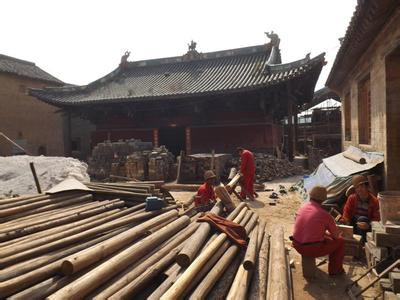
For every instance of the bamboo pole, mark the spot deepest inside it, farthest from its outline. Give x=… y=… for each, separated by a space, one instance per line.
x=15 y=200
x=189 y=251
x=277 y=274
x=163 y=287
x=95 y=278
x=4 y=205
x=88 y=257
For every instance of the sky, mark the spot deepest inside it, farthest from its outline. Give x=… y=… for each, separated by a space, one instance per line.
x=81 y=41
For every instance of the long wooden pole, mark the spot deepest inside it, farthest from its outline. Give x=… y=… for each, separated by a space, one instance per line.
x=278 y=285
x=250 y=256
x=93 y=279
x=88 y=257
x=179 y=287
x=189 y=251
x=67 y=239
x=44 y=270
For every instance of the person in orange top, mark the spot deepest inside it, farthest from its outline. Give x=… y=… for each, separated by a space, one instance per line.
x=247 y=169
x=361 y=207
x=205 y=194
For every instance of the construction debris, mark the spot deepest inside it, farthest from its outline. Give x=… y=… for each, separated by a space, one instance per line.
x=72 y=245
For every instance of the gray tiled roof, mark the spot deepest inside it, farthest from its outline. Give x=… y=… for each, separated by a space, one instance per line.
x=175 y=77
x=24 y=68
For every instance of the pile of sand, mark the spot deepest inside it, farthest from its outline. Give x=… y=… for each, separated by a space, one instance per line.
x=16 y=176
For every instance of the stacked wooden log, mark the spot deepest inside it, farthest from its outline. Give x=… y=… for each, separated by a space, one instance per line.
x=269 y=167
x=102 y=249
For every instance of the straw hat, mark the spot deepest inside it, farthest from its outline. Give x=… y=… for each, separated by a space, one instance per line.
x=359 y=179
x=318 y=193
x=209 y=174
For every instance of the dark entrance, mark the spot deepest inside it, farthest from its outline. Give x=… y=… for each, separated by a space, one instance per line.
x=173 y=138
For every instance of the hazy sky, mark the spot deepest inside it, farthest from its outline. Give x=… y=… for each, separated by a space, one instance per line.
x=81 y=41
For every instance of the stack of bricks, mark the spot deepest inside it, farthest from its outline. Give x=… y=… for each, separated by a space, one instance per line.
x=352 y=245
x=384 y=242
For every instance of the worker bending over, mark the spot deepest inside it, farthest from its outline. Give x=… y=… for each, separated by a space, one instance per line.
x=205 y=197
x=361 y=208
x=247 y=170
x=316 y=234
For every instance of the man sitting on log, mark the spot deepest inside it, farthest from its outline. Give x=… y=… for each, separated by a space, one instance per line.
x=247 y=170
x=361 y=208
x=205 y=197
x=316 y=234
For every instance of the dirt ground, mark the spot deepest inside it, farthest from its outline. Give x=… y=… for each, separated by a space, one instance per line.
x=323 y=287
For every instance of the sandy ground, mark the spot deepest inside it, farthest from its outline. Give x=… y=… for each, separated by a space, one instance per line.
x=323 y=287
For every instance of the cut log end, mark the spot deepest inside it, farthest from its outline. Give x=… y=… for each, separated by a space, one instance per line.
x=248 y=265
x=183 y=260
x=67 y=268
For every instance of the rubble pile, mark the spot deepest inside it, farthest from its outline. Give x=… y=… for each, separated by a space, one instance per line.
x=269 y=167
x=131 y=158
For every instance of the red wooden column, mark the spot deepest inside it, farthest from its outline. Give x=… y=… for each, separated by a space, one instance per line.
x=155 y=137
x=188 y=140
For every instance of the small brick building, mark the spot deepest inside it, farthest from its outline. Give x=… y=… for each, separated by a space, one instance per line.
x=366 y=75
x=33 y=124
x=196 y=102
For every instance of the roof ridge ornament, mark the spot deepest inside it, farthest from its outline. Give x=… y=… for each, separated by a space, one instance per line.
x=192 y=53
x=275 y=40
x=124 y=60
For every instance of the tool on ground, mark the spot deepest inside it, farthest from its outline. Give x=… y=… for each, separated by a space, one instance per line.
x=381 y=275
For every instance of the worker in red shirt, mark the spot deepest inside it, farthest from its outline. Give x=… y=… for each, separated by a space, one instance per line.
x=205 y=197
x=316 y=234
x=247 y=170
x=361 y=208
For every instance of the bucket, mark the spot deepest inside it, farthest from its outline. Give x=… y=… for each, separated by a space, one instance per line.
x=389 y=206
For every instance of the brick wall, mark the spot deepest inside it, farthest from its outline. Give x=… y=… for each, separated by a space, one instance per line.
x=373 y=63
x=28 y=120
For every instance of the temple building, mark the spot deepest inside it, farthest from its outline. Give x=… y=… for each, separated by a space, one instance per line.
x=195 y=102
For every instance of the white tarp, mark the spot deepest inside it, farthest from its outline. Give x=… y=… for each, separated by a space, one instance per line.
x=335 y=172
x=69 y=184
x=16 y=176
x=341 y=166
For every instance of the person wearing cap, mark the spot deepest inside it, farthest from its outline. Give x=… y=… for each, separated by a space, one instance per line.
x=205 y=194
x=361 y=207
x=247 y=170
x=316 y=234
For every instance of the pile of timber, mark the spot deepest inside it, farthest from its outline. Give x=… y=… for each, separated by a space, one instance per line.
x=383 y=243
x=269 y=167
x=131 y=193
x=69 y=246
x=157 y=164
x=107 y=153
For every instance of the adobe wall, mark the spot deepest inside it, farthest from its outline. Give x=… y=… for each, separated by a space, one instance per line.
x=23 y=117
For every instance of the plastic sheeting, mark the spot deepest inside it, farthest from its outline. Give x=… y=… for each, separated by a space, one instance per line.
x=335 y=173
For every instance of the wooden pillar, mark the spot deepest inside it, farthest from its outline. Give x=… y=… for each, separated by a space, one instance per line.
x=295 y=127
x=188 y=140
x=290 y=130
x=156 y=138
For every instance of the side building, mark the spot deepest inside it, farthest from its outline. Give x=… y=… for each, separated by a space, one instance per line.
x=34 y=125
x=196 y=102
x=366 y=75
